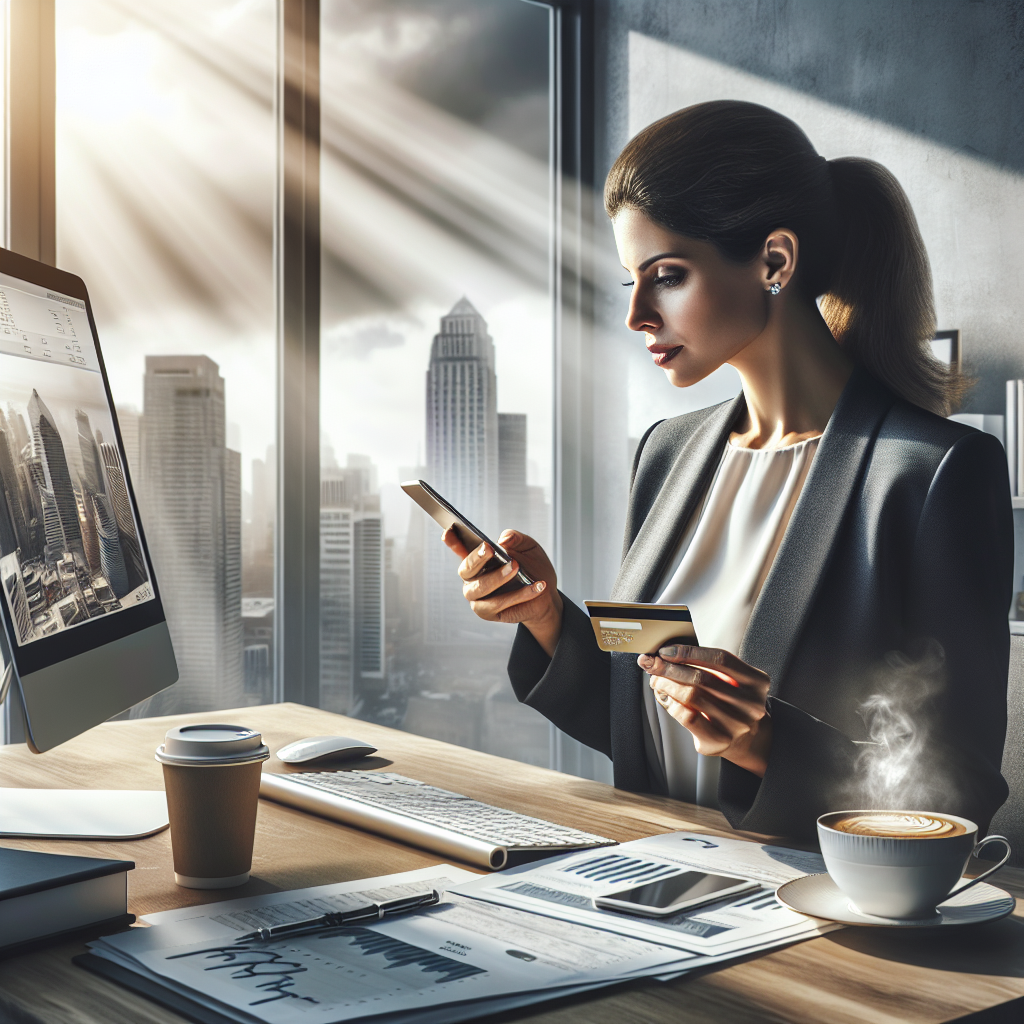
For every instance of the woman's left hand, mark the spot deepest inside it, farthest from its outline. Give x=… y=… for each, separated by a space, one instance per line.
x=718 y=698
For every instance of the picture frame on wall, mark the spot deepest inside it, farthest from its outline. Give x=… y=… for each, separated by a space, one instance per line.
x=945 y=346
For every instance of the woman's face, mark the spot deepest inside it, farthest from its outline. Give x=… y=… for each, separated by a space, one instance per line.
x=696 y=309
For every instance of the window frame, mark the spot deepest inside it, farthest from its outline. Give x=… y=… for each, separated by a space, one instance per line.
x=30 y=228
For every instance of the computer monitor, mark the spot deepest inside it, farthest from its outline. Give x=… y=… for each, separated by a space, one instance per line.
x=85 y=632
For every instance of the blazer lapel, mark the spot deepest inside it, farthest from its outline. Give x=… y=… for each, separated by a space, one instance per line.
x=684 y=486
x=792 y=583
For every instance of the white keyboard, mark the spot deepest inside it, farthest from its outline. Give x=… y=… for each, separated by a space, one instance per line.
x=413 y=812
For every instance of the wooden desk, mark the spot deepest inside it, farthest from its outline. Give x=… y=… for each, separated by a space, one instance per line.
x=855 y=975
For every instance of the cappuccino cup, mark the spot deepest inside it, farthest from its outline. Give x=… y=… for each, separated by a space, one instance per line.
x=900 y=864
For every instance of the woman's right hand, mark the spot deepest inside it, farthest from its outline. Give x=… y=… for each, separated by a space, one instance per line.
x=538 y=607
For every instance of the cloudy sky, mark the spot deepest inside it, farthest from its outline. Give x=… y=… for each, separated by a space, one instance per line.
x=434 y=186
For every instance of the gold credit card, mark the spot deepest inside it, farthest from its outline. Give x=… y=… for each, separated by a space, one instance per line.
x=640 y=628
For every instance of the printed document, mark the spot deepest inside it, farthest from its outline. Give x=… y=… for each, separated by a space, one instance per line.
x=566 y=886
x=459 y=951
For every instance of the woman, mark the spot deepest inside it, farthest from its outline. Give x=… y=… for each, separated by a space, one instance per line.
x=845 y=550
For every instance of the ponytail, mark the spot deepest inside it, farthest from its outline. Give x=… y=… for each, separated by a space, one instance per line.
x=878 y=303
x=730 y=173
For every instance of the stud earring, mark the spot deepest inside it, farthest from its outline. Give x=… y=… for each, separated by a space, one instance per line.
x=775 y=288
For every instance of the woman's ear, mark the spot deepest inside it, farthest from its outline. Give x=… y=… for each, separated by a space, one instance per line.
x=779 y=259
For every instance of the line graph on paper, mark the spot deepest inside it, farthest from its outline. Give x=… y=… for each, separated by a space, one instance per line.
x=337 y=967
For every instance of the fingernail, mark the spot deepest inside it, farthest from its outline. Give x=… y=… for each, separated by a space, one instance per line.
x=540 y=586
x=645 y=660
x=482 y=550
x=669 y=652
x=506 y=569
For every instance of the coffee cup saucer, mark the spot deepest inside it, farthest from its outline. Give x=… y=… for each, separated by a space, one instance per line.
x=818 y=896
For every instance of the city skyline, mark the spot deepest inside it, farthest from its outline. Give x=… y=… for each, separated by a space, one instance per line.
x=65 y=556
x=381 y=585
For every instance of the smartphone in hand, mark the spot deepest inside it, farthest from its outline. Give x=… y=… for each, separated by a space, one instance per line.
x=446 y=515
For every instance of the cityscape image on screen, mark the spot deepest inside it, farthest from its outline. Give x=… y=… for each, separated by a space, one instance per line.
x=69 y=543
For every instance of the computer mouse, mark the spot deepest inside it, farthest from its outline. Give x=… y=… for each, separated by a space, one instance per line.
x=324 y=748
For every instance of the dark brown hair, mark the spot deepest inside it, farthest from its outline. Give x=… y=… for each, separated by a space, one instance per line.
x=730 y=173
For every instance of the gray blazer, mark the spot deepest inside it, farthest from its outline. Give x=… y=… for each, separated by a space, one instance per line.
x=893 y=578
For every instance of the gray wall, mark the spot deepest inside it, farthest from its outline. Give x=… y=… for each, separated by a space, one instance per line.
x=931 y=88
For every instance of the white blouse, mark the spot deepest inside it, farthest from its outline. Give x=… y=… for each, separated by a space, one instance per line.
x=719 y=567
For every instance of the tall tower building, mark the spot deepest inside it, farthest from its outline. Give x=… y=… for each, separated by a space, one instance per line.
x=337 y=621
x=109 y=542
x=513 y=503
x=14 y=586
x=368 y=592
x=130 y=423
x=192 y=508
x=352 y=620
x=14 y=488
x=462 y=453
x=117 y=493
x=92 y=472
x=258 y=547
x=17 y=422
x=8 y=538
x=62 y=525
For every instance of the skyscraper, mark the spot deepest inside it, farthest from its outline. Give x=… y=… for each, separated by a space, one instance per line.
x=258 y=550
x=513 y=503
x=368 y=592
x=192 y=509
x=108 y=538
x=63 y=532
x=337 y=622
x=14 y=489
x=117 y=492
x=14 y=585
x=17 y=422
x=92 y=473
x=129 y=421
x=352 y=621
x=462 y=453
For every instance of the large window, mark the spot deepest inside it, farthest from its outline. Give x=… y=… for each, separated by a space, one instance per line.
x=423 y=154
x=165 y=196
x=436 y=353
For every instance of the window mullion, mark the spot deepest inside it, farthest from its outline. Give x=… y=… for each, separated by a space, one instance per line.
x=297 y=273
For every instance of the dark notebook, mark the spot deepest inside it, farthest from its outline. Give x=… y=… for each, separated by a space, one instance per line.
x=43 y=895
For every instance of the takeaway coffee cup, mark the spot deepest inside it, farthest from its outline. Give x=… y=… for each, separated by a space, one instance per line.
x=900 y=864
x=212 y=780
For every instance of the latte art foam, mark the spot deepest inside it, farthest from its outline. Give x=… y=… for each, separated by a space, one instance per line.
x=899 y=825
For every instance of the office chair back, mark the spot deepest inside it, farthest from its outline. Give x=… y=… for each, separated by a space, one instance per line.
x=1009 y=819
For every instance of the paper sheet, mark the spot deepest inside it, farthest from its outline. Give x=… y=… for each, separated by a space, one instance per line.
x=567 y=885
x=460 y=951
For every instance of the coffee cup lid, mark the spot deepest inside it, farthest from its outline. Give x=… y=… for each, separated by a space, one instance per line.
x=212 y=744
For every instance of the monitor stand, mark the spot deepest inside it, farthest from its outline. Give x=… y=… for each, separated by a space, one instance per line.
x=78 y=813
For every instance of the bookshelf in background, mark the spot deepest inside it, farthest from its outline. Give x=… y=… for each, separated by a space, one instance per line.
x=1013 y=439
x=1009 y=428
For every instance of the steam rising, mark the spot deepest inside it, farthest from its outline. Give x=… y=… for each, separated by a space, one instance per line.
x=899 y=767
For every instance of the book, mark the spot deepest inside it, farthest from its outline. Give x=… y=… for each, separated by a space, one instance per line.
x=43 y=895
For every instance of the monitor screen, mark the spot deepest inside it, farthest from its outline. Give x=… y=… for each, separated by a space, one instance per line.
x=70 y=543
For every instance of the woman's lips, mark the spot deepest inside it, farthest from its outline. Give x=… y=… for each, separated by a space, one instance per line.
x=662 y=356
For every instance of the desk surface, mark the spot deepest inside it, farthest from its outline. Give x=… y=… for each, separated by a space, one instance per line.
x=855 y=975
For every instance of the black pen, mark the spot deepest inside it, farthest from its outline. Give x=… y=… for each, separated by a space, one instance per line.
x=372 y=911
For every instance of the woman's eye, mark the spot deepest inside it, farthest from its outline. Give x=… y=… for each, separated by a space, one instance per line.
x=668 y=280
x=627 y=284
